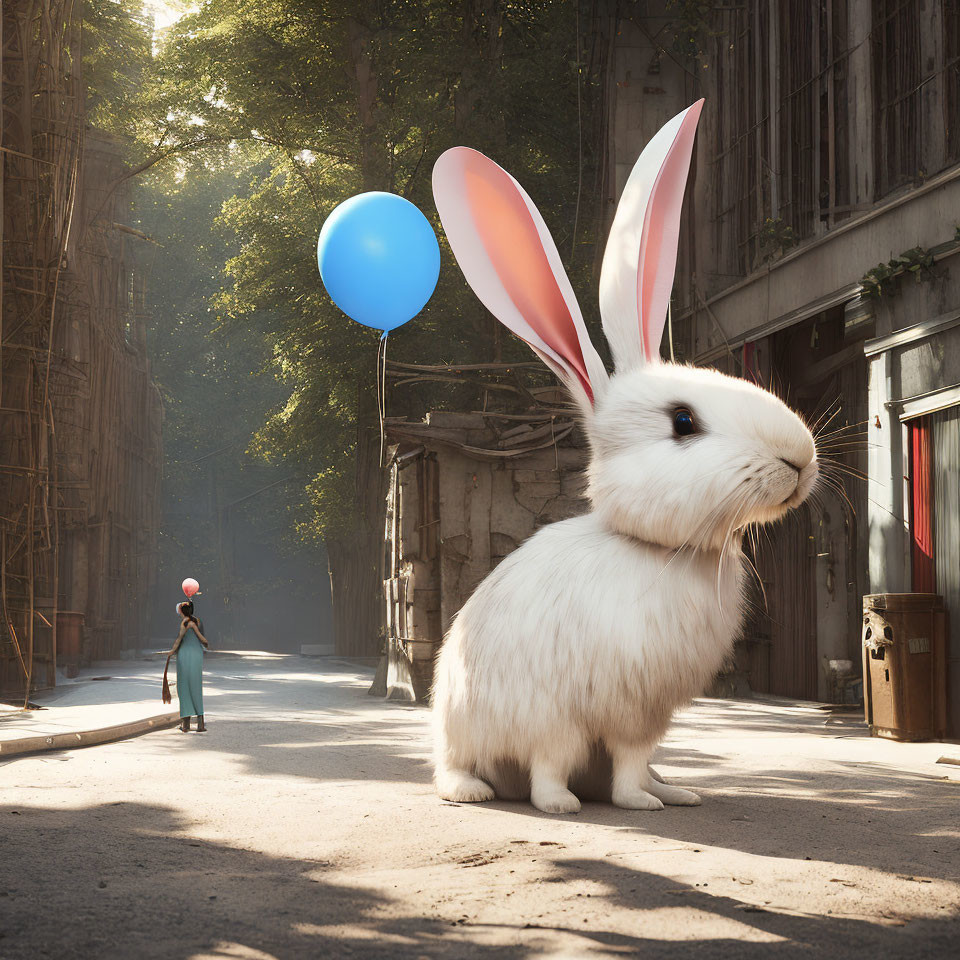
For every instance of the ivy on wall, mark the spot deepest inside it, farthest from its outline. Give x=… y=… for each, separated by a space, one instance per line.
x=776 y=237
x=881 y=280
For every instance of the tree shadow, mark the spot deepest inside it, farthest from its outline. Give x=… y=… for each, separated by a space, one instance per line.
x=124 y=880
x=747 y=715
x=892 y=821
x=168 y=895
x=831 y=811
x=797 y=932
x=335 y=749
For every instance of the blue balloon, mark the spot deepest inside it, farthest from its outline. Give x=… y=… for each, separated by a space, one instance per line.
x=379 y=259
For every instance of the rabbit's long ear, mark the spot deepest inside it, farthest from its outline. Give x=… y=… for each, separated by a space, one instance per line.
x=641 y=254
x=510 y=260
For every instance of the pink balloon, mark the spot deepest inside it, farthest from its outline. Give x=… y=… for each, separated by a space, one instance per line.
x=190 y=586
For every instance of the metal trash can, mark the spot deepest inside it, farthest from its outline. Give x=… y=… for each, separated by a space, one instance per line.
x=904 y=665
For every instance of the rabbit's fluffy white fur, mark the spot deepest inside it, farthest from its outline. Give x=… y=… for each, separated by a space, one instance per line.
x=579 y=637
x=598 y=628
x=588 y=637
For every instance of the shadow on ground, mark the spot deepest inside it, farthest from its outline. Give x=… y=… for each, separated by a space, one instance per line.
x=864 y=813
x=893 y=822
x=126 y=880
x=122 y=880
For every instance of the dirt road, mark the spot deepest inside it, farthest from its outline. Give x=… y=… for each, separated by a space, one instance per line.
x=303 y=824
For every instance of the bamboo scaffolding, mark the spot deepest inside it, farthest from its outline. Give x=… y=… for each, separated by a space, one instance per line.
x=79 y=416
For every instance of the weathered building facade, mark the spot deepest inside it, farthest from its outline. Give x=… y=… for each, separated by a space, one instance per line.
x=819 y=257
x=465 y=489
x=79 y=415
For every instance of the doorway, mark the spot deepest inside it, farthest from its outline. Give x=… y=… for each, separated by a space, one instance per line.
x=933 y=442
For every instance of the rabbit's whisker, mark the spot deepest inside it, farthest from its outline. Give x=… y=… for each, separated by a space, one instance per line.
x=833 y=460
x=730 y=540
x=832 y=466
x=826 y=423
x=687 y=547
x=756 y=573
x=818 y=425
x=850 y=438
x=860 y=426
x=838 y=430
x=690 y=549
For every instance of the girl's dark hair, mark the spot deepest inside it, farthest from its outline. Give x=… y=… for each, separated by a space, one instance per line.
x=186 y=608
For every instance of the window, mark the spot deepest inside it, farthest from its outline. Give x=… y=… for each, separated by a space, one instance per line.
x=896 y=78
x=951 y=77
x=916 y=76
x=741 y=162
x=781 y=164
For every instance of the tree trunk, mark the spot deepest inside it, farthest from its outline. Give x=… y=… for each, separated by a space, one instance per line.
x=374 y=165
x=356 y=594
x=356 y=576
x=355 y=560
x=482 y=38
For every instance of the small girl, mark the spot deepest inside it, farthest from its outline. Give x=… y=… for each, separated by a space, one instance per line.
x=190 y=667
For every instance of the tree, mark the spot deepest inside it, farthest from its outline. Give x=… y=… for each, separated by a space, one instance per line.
x=116 y=44
x=331 y=98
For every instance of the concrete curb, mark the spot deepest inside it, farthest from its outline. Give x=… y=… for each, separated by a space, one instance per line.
x=88 y=738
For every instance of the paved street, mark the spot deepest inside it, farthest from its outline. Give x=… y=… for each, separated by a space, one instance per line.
x=303 y=824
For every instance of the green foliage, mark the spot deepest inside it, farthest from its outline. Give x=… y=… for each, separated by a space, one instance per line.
x=775 y=237
x=317 y=100
x=116 y=51
x=881 y=279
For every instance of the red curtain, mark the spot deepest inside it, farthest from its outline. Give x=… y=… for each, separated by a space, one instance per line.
x=921 y=505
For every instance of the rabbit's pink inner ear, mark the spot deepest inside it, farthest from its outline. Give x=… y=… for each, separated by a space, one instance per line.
x=661 y=236
x=650 y=333
x=513 y=244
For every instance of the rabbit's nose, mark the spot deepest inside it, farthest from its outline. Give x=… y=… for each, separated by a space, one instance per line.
x=789 y=463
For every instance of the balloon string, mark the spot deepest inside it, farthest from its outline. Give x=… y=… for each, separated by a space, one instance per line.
x=379 y=406
x=382 y=388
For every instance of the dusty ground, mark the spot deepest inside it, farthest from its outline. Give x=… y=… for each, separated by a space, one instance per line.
x=304 y=825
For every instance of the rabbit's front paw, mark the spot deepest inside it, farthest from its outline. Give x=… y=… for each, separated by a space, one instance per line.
x=555 y=800
x=675 y=796
x=636 y=800
x=459 y=786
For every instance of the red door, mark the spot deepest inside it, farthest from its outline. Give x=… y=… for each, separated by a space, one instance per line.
x=921 y=506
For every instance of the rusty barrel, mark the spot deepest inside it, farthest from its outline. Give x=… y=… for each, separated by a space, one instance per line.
x=904 y=665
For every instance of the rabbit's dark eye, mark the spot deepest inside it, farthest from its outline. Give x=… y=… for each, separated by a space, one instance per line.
x=683 y=422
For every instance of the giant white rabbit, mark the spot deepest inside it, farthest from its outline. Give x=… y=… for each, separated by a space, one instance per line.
x=588 y=637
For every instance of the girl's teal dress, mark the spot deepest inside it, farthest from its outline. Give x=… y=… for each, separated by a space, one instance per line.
x=190 y=675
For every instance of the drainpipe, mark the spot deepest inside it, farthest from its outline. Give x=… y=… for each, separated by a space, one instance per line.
x=885 y=472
